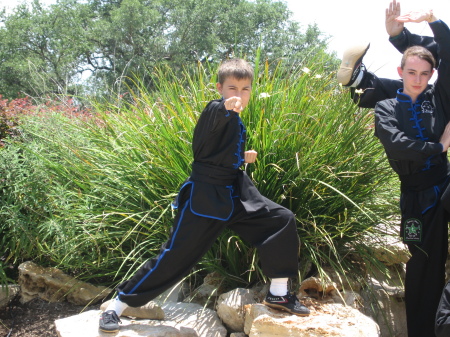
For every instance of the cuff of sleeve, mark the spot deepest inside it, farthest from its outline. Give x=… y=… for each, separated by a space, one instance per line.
x=393 y=38
x=442 y=147
x=430 y=23
x=396 y=37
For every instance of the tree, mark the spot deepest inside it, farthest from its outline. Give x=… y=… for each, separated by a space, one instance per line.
x=41 y=48
x=47 y=50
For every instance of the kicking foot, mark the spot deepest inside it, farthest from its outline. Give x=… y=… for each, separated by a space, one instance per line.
x=287 y=303
x=109 y=321
x=351 y=64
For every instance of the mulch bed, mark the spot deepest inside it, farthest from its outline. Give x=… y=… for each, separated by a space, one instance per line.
x=36 y=318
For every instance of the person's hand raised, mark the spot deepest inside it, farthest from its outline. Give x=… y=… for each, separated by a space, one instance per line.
x=393 y=27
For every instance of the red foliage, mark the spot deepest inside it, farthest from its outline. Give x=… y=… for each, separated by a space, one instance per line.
x=12 y=111
x=9 y=115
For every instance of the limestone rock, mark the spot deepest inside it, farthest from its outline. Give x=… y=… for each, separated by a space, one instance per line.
x=52 y=285
x=316 y=288
x=203 y=320
x=86 y=325
x=388 y=247
x=342 y=282
x=7 y=293
x=230 y=308
x=207 y=293
x=386 y=305
x=175 y=294
x=149 y=311
x=330 y=320
x=181 y=319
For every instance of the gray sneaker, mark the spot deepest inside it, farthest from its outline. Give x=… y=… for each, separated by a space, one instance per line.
x=288 y=303
x=109 y=321
x=351 y=64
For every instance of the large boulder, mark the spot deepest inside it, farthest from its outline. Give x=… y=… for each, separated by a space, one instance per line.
x=231 y=308
x=181 y=320
x=52 y=285
x=86 y=325
x=327 y=319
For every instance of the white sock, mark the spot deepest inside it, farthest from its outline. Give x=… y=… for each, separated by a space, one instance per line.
x=278 y=286
x=359 y=78
x=117 y=305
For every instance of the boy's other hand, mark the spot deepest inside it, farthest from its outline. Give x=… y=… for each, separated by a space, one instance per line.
x=417 y=16
x=234 y=103
x=393 y=27
x=250 y=156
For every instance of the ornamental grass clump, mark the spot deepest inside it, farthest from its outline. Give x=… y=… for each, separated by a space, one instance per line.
x=110 y=183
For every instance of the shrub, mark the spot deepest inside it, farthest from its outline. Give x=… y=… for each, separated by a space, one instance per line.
x=109 y=184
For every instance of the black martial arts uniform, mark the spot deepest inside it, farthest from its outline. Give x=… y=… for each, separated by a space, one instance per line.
x=410 y=133
x=217 y=195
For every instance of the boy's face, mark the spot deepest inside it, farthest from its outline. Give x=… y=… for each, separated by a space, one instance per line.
x=415 y=74
x=233 y=87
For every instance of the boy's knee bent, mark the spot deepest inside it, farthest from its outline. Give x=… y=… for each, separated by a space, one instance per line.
x=287 y=215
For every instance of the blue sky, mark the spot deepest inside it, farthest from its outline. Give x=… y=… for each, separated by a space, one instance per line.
x=348 y=21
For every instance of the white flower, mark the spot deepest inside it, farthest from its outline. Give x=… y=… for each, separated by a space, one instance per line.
x=306 y=70
x=359 y=91
x=318 y=76
x=264 y=95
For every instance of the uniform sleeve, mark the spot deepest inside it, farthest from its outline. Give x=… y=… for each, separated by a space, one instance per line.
x=406 y=39
x=214 y=116
x=442 y=88
x=396 y=143
x=442 y=328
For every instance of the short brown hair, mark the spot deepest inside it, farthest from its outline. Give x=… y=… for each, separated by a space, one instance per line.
x=420 y=52
x=237 y=68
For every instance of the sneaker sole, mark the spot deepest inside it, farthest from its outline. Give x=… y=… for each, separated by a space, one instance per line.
x=109 y=331
x=350 y=61
x=280 y=307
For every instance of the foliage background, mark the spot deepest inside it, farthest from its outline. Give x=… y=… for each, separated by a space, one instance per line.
x=94 y=46
x=90 y=191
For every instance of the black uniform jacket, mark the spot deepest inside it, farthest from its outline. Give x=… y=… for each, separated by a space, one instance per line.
x=410 y=132
x=218 y=146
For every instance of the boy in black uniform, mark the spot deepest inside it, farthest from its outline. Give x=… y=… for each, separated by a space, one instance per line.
x=219 y=195
x=415 y=132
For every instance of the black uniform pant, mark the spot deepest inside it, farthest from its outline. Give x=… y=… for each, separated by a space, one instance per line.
x=425 y=273
x=273 y=232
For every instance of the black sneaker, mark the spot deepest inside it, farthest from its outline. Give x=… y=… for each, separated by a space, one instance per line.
x=287 y=303
x=351 y=64
x=109 y=321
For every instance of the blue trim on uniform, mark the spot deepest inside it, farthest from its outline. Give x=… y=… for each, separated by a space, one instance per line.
x=164 y=252
x=437 y=192
x=415 y=118
x=210 y=216
x=415 y=112
x=175 y=202
x=240 y=160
